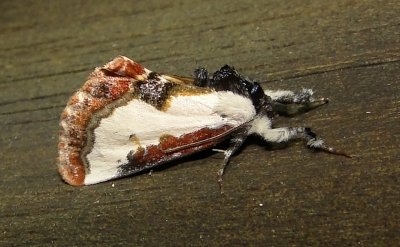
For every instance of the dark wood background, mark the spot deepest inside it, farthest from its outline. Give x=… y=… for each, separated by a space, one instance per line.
x=348 y=51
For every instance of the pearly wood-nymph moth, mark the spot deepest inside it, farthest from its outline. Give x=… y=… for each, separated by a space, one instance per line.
x=126 y=119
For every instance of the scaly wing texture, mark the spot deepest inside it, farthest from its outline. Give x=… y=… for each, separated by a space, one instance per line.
x=111 y=129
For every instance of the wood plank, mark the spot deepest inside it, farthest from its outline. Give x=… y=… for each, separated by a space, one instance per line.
x=345 y=50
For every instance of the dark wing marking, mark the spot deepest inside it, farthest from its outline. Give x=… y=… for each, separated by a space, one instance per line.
x=215 y=139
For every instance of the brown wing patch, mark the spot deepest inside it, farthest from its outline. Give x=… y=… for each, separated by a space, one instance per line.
x=153 y=155
x=124 y=66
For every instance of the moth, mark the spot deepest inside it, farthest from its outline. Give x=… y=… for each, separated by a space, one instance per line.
x=126 y=119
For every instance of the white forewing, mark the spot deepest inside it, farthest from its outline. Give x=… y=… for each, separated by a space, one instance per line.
x=235 y=107
x=185 y=114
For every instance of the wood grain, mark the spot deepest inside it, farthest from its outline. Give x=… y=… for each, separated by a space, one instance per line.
x=345 y=50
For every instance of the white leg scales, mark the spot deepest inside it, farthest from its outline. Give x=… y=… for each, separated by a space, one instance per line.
x=288 y=97
x=262 y=127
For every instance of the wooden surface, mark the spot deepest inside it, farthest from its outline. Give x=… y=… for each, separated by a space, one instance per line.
x=345 y=50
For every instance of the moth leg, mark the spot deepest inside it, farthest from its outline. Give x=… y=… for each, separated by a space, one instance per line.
x=261 y=126
x=303 y=96
x=235 y=143
x=289 y=103
x=290 y=110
